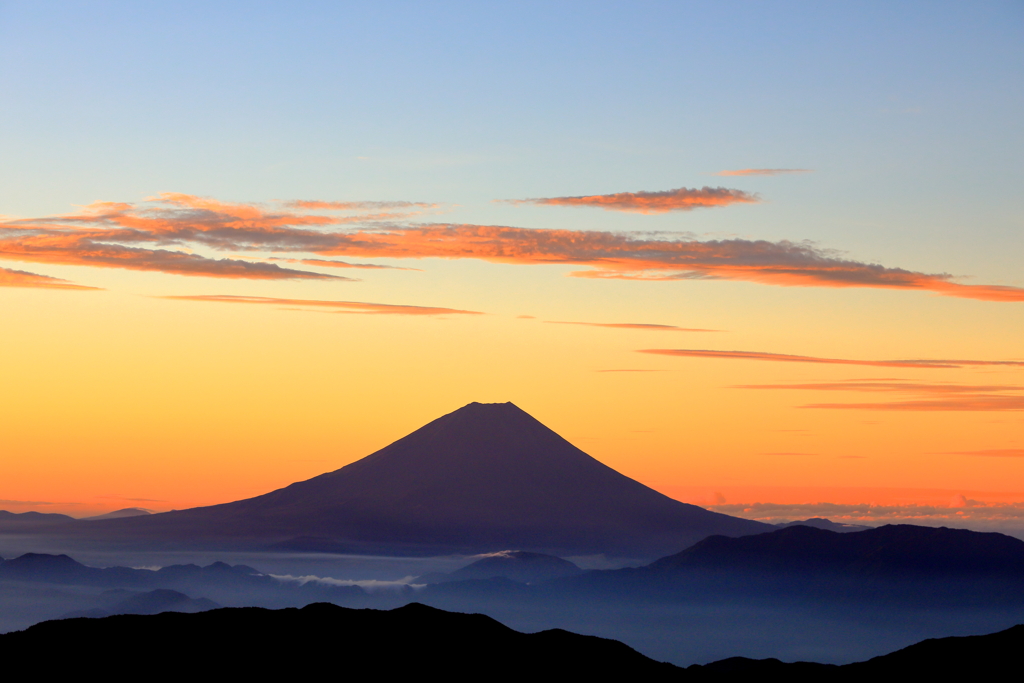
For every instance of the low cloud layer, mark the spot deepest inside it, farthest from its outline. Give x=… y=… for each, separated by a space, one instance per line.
x=339 y=306
x=960 y=512
x=681 y=199
x=20 y=278
x=919 y=396
x=763 y=171
x=786 y=358
x=633 y=326
x=179 y=234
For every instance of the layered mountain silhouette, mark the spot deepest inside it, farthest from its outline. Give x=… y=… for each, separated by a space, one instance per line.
x=481 y=479
x=420 y=641
x=905 y=565
x=150 y=602
x=31 y=521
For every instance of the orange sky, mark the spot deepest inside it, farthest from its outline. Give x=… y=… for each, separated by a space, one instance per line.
x=777 y=261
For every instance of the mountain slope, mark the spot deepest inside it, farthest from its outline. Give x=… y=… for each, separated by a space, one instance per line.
x=481 y=479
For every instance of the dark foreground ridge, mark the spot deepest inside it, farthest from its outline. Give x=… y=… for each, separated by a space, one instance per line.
x=416 y=640
x=481 y=479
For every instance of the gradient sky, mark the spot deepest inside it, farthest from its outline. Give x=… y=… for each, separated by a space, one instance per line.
x=789 y=236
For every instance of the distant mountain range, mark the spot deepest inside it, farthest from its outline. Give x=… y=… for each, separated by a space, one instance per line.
x=118 y=514
x=151 y=602
x=420 y=641
x=481 y=479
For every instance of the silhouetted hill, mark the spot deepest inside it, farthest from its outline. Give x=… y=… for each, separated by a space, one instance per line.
x=480 y=479
x=414 y=641
x=509 y=564
x=900 y=550
x=990 y=656
x=895 y=564
x=117 y=514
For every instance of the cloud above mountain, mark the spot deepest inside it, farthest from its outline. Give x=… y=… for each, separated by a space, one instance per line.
x=337 y=306
x=183 y=234
x=681 y=199
x=919 y=396
x=652 y=327
x=20 y=278
x=786 y=358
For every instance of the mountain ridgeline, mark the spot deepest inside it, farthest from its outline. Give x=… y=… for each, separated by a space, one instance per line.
x=481 y=479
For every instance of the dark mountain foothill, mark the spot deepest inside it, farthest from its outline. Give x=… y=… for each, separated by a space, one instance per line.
x=417 y=640
x=975 y=657
x=414 y=641
x=481 y=479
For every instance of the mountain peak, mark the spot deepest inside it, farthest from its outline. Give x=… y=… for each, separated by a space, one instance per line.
x=482 y=478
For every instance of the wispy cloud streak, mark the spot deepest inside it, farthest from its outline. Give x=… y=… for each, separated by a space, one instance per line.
x=339 y=306
x=786 y=358
x=20 y=278
x=923 y=396
x=681 y=199
x=633 y=326
x=991 y=453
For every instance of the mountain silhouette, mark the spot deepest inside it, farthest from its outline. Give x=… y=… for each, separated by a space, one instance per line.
x=957 y=657
x=481 y=479
x=894 y=565
x=21 y=522
x=117 y=514
x=413 y=641
x=903 y=550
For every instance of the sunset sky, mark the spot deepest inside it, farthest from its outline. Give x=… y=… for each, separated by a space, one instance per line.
x=742 y=252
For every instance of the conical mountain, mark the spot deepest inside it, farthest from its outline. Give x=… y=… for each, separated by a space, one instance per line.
x=486 y=477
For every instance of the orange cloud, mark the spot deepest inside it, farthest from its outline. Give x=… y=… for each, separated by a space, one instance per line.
x=921 y=388
x=19 y=278
x=786 y=358
x=763 y=171
x=619 y=256
x=634 y=326
x=682 y=199
x=164 y=234
x=344 y=264
x=968 y=403
x=340 y=306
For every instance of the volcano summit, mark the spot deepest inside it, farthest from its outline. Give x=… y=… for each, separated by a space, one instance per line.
x=486 y=477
